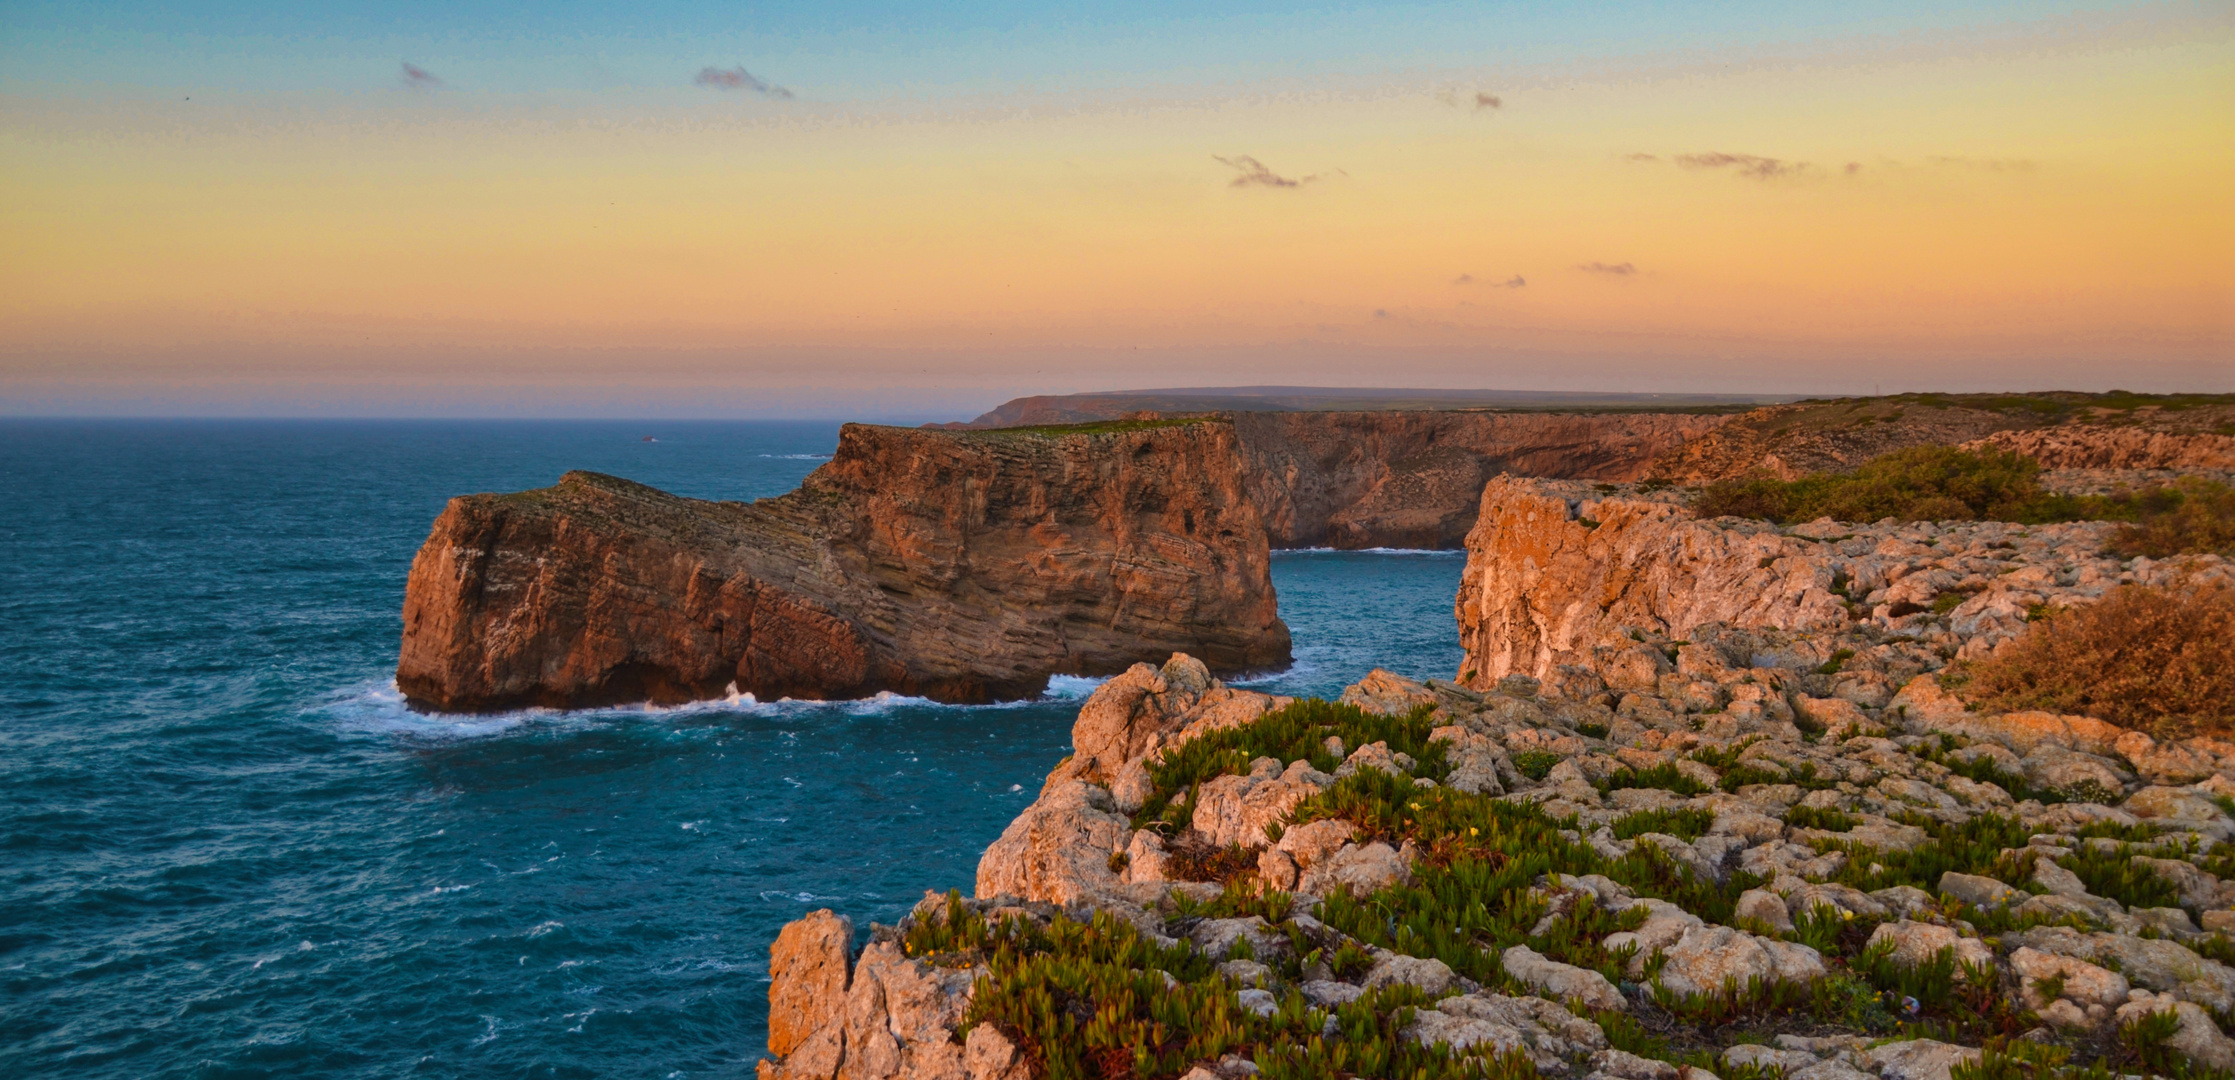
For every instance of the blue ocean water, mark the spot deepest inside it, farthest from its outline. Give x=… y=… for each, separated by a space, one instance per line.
x=230 y=852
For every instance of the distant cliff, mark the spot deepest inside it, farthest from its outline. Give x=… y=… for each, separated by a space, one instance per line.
x=964 y=567
x=1414 y=479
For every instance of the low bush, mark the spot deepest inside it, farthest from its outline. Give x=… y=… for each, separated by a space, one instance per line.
x=2191 y=515
x=1298 y=731
x=1922 y=483
x=2142 y=657
x=1684 y=824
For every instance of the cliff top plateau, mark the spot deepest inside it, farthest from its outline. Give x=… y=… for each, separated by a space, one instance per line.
x=1712 y=798
x=1112 y=404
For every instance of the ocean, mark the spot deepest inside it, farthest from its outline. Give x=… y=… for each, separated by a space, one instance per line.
x=231 y=852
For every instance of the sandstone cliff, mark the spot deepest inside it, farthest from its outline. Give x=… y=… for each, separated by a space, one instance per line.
x=2090 y=447
x=1413 y=479
x=1558 y=573
x=964 y=567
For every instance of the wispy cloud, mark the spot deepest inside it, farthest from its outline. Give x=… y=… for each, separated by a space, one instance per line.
x=1255 y=174
x=740 y=79
x=1753 y=166
x=1641 y=157
x=419 y=78
x=1617 y=269
x=1984 y=164
x=1476 y=100
x=1514 y=282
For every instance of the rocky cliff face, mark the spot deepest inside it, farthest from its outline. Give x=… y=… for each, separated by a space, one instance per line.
x=1559 y=574
x=963 y=567
x=1413 y=479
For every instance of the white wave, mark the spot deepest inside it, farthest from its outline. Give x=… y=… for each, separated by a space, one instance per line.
x=543 y=928
x=797 y=457
x=379 y=707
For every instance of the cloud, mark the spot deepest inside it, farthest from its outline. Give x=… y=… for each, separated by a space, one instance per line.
x=1616 y=269
x=1854 y=167
x=1752 y=166
x=418 y=77
x=1641 y=157
x=740 y=79
x=1984 y=164
x=1487 y=101
x=1255 y=174
x=1381 y=313
x=1514 y=282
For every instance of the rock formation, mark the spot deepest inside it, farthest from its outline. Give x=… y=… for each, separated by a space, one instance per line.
x=2116 y=448
x=963 y=567
x=1559 y=573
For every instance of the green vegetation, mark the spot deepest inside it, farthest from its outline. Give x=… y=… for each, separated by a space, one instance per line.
x=1535 y=764
x=1298 y=732
x=2149 y=658
x=1809 y=817
x=1942 y=483
x=1684 y=824
x=1665 y=776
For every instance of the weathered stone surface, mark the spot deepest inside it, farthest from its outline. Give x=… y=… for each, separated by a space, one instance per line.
x=1918 y=1059
x=1059 y=848
x=2084 y=983
x=1707 y=958
x=1977 y=890
x=962 y=567
x=1431 y=975
x=2198 y=1039
x=1916 y=944
x=1384 y=691
x=808 y=967
x=2163 y=966
x=1561 y=982
x=1236 y=809
x=1359 y=868
x=2094 y=447
x=1494 y=1023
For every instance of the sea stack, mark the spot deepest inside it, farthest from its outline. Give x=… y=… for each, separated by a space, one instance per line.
x=960 y=566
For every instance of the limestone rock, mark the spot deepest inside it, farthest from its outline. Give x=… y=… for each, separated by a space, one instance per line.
x=1916 y=944
x=1431 y=975
x=1707 y=958
x=1236 y=809
x=2198 y=1039
x=1918 y=1059
x=1495 y=1023
x=1978 y=891
x=1059 y=848
x=2084 y=983
x=809 y=967
x=1360 y=869
x=1383 y=691
x=1561 y=982
x=959 y=566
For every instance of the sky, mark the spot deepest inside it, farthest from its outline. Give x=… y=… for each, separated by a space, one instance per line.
x=682 y=208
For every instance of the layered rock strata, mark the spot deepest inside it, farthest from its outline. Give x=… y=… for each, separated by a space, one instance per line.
x=1560 y=573
x=963 y=567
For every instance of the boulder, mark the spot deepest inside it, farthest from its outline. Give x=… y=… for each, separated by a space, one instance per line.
x=1978 y=891
x=1918 y=1059
x=1059 y=848
x=2084 y=983
x=1709 y=958
x=1431 y=975
x=1916 y=944
x=1387 y=692
x=2198 y=1039
x=1360 y=869
x=809 y=968
x=1561 y=982
x=1480 y=1023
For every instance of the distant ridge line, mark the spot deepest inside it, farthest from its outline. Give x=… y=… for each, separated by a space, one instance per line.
x=1113 y=404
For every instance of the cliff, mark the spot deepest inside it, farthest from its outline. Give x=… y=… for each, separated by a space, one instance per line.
x=1559 y=574
x=1414 y=479
x=964 y=567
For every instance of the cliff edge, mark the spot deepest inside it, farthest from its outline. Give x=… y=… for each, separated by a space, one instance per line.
x=960 y=566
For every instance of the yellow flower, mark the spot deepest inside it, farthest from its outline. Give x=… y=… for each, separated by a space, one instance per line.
x=1472 y=831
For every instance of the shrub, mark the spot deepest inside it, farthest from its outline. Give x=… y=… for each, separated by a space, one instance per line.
x=2143 y=657
x=1664 y=776
x=2191 y=516
x=1921 y=483
x=1297 y=732
x=1534 y=764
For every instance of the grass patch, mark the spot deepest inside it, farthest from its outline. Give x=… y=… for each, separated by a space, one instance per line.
x=2142 y=657
x=1664 y=776
x=1685 y=825
x=2192 y=515
x=1535 y=764
x=1809 y=817
x=1969 y=848
x=1296 y=732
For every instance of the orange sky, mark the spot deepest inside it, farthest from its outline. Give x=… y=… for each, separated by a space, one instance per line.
x=2046 y=208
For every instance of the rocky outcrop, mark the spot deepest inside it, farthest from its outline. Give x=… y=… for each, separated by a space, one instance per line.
x=1563 y=575
x=963 y=567
x=2089 y=447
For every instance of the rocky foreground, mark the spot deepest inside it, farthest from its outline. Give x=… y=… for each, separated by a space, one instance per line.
x=1701 y=806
